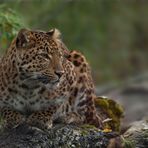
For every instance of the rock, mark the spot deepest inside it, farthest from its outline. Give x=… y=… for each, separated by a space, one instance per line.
x=137 y=135
x=63 y=136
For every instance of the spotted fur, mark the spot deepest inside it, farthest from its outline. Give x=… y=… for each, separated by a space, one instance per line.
x=41 y=82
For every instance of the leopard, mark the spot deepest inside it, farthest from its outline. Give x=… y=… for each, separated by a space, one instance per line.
x=42 y=82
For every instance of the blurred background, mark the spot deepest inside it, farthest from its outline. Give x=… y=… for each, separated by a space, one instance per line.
x=112 y=34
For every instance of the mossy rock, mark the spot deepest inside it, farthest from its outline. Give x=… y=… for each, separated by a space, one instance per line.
x=60 y=136
x=110 y=111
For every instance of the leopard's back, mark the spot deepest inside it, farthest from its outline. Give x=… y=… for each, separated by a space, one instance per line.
x=82 y=94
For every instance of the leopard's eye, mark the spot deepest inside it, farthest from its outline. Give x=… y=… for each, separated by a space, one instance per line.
x=44 y=56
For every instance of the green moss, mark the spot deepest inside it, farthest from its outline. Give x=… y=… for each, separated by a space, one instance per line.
x=110 y=109
x=128 y=143
x=103 y=103
x=86 y=128
x=115 y=107
x=84 y=133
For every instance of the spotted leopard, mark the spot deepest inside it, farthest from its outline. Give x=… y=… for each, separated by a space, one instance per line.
x=41 y=82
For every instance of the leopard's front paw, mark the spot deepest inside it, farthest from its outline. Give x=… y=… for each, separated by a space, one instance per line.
x=39 y=121
x=10 y=118
x=69 y=118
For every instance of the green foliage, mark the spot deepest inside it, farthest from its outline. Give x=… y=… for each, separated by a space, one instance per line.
x=10 y=23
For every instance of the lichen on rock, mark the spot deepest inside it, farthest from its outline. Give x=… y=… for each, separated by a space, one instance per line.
x=63 y=136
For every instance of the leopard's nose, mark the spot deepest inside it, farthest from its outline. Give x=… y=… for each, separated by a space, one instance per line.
x=59 y=73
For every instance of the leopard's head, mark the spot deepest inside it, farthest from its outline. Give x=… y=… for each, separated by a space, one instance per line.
x=39 y=56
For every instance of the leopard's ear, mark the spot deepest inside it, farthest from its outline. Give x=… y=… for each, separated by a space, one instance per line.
x=22 y=39
x=54 y=33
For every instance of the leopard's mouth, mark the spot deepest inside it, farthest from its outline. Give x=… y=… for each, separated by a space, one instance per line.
x=46 y=79
x=37 y=78
x=43 y=79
